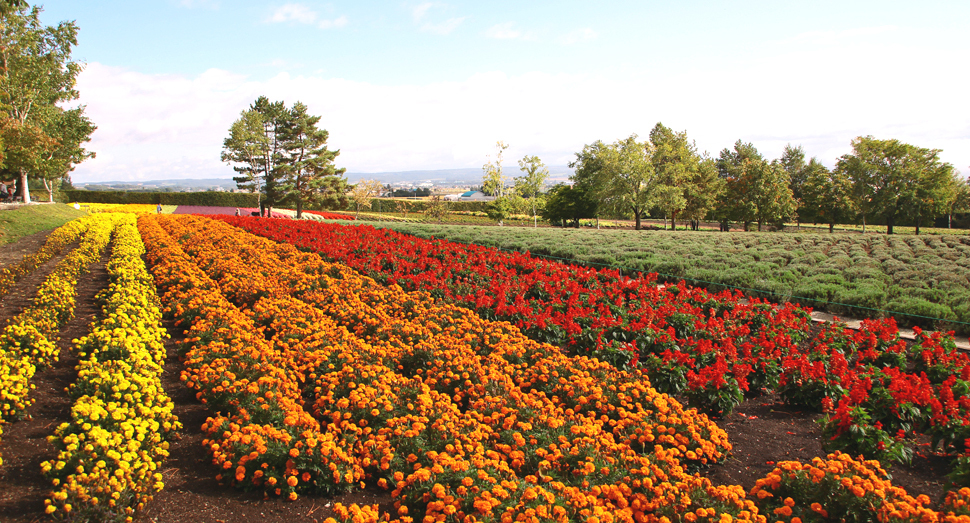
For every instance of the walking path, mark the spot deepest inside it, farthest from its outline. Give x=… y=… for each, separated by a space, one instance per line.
x=817 y=316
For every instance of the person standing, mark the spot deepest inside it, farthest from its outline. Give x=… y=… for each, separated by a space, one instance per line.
x=158 y=208
x=4 y=193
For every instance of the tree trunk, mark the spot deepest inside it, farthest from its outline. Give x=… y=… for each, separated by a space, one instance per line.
x=889 y=224
x=831 y=228
x=299 y=209
x=49 y=185
x=863 y=224
x=673 y=221
x=919 y=219
x=24 y=186
x=637 y=221
x=759 y=225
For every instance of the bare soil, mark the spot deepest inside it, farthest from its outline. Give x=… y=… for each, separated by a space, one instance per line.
x=763 y=430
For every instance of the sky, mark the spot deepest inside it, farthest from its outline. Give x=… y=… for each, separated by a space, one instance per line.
x=434 y=85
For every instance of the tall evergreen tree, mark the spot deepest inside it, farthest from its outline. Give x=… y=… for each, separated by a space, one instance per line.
x=309 y=175
x=256 y=144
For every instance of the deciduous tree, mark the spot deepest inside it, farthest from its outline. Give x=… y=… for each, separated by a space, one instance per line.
x=793 y=162
x=569 y=204
x=494 y=182
x=589 y=179
x=702 y=192
x=37 y=76
x=827 y=195
x=70 y=129
x=631 y=183
x=895 y=180
x=437 y=208
x=676 y=163
x=362 y=192
x=529 y=185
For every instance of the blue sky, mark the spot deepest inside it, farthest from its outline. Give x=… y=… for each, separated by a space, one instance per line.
x=433 y=85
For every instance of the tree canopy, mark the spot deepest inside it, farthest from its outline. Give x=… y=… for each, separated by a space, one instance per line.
x=282 y=156
x=895 y=180
x=41 y=138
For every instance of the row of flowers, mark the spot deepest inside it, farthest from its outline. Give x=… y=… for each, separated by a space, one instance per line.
x=109 y=452
x=458 y=415
x=330 y=215
x=29 y=340
x=712 y=348
x=55 y=243
x=258 y=401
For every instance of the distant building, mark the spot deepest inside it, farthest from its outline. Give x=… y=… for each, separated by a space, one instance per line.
x=451 y=197
x=475 y=196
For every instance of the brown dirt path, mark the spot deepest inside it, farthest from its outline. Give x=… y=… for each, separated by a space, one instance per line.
x=14 y=252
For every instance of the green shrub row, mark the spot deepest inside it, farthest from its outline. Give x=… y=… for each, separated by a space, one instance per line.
x=207 y=198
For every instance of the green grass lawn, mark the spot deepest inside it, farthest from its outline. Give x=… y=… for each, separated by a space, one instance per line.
x=26 y=220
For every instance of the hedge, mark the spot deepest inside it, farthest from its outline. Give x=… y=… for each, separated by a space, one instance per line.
x=208 y=198
x=236 y=199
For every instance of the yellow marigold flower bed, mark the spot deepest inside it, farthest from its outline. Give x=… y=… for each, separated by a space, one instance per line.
x=109 y=453
x=134 y=208
x=55 y=243
x=29 y=340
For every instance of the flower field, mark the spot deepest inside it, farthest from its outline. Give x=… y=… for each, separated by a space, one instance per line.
x=459 y=415
x=918 y=277
x=109 y=452
x=472 y=384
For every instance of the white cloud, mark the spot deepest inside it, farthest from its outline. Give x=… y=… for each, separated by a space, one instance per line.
x=421 y=10
x=330 y=24
x=506 y=31
x=293 y=13
x=580 y=35
x=302 y=14
x=420 y=14
x=172 y=126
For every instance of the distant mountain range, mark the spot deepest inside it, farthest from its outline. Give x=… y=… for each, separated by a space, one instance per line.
x=440 y=177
